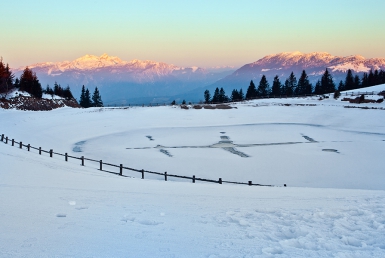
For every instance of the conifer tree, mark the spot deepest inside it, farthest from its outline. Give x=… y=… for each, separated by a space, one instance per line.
x=88 y=102
x=327 y=84
x=317 y=88
x=364 y=81
x=30 y=83
x=82 y=100
x=222 y=96
x=277 y=87
x=349 y=81
x=234 y=95
x=304 y=86
x=290 y=85
x=357 y=82
x=341 y=86
x=251 y=92
x=263 y=87
x=97 y=99
x=207 y=96
x=241 y=95
x=215 y=98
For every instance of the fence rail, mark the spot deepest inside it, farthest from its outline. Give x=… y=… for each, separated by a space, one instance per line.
x=6 y=140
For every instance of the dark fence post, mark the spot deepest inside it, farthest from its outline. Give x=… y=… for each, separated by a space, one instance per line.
x=21 y=145
x=82 y=160
x=39 y=150
x=13 y=142
x=6 y=140
x=193 y=179
x=250 y=182
x=2 y=137
x=165 y=176
x=142 y=173
x=100 y=165
x=51 y=153
x=220 y=181
x=28 y=146
x=66 y=156
x=121 y=169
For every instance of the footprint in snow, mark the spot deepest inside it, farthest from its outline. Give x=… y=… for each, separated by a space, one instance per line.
x=61 y=215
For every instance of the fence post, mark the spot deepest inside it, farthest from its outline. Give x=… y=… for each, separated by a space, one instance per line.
x=121 y=169
x=250 y=182
x=66 y=156
x=82 y=160
x=193 y=179
x=13 y=142
x=220 y=181
x=100 y=165
x=6 y=140
x=165 y=176
x=21 y=145
x=51 y=152
x=28 y=146
x=2 y=137
x=142 y=173
x=39 y=150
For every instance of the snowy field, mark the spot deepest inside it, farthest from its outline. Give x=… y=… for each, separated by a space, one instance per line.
x=330 y=157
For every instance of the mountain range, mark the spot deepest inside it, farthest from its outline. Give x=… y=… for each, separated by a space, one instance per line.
x=136 y=81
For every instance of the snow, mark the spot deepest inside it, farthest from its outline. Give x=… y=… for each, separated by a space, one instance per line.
x=333 y=205
x=15 y=93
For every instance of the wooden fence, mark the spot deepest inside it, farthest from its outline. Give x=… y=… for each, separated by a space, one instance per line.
x=120 y=167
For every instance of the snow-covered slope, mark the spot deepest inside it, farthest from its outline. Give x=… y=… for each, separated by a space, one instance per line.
x=53 y=208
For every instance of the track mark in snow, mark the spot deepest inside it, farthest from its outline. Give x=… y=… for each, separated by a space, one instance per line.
x=165 y=152
x=330 y=150
x=149 y=137
x=78 y=146
x=61 y=215
x=308 y=138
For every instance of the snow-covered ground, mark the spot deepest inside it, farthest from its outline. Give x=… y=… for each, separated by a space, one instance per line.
x=329 y=156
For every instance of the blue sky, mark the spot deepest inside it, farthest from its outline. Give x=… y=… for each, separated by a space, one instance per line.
x=202 y=33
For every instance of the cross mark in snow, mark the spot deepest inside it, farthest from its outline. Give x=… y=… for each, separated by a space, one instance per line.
x=225 y=143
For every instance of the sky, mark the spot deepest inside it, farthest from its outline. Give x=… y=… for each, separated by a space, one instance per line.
x=188 y=33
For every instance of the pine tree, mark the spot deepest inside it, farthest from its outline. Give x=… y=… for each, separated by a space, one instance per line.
x=234 y=95
x=88 y=102
x=371 y=81
x=317 y=88
x=68 y=94
x=290 y=85
x=82 y=100
x=215 y=98
x=251 y=92
x=263 y=87
x=341 y=86
x=327 y=84
x=349 y=81
x=222 y=96
x=357 y=82
x=277 y=87
x=304 y=86
x=6 y=78
x=364 y=81
x=97 y=99
x=207 y=96
x=30 y=83
x=241 y=95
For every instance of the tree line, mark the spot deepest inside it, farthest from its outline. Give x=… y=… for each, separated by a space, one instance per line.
x=87 y=101
x=302 y=86
x=29 y=83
